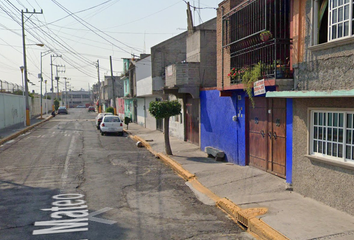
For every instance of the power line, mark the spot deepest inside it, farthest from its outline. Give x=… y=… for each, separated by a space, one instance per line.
x=84 y=23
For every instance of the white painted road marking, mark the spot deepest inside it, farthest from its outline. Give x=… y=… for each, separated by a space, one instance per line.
x=69 y=205
x=100 y=220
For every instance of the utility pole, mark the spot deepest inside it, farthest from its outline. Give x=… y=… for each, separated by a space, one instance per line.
x=46 y=100
x=66 y=92
x=41 y=77
x=28 y=120
x=57 y=77
x=99 y=87
x=51 y=77
x=114 y=100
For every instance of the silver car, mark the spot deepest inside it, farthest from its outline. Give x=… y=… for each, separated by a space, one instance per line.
x=111 y=124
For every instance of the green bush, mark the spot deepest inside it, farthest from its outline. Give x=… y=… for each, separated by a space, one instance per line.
x=56 y=104
x=110 y=109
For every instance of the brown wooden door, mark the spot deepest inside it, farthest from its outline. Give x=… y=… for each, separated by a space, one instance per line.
x=277 y=136
x=192 y=120
x=267 y=135
x=257 y=133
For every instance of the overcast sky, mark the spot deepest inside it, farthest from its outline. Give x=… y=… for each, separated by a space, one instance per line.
x=84 y=31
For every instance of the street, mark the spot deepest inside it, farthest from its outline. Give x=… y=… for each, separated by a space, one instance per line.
x=63 y=180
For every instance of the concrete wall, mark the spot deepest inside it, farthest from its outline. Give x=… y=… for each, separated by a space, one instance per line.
x=150 y=120
x=323 y=182
x=12 y=108
x=143 y=68
x=166 y=53
x=201 y=47
x=217 y=129
x=144 y=86
x=176 y=126
x=328 y=66
x=183 y=74
x=141 y=111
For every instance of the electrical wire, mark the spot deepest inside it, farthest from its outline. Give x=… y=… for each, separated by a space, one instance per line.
x=90 y=26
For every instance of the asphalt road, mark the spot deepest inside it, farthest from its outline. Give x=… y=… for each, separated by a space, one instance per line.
x=63 y=180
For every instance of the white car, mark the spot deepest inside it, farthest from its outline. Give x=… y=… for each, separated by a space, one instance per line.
x=99 y=118
x=111 y=124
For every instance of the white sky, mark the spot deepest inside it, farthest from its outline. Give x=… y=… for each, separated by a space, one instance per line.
x=119 y=28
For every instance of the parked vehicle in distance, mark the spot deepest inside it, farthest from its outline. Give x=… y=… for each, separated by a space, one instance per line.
x=91 y=109
x=99 y=119
x=111 y=124
x=62 y=109
x=80 y=106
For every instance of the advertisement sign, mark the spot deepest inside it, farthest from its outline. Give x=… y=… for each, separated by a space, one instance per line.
x=259 y=87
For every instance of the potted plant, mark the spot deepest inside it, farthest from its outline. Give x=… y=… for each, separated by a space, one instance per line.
x=281 y=68
x=265 y=35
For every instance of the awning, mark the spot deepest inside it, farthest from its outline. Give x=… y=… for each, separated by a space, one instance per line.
x=310 y=94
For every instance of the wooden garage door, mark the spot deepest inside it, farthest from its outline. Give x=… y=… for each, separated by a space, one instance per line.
x=267 y=135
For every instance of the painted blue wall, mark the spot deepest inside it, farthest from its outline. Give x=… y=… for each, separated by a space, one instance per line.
x=218 y=130
x=289 y=140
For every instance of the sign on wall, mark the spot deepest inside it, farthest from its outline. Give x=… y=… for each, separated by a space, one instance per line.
x=259 y=87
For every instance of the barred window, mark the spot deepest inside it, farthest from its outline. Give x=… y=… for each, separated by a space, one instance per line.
x=332 y=135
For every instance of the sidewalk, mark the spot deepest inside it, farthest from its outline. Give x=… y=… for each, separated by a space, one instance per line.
x=15 y=130
x=246 y=193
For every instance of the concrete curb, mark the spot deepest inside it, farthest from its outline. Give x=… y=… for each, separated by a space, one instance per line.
x=15 y=135
x=246 y=218
x=186 y=175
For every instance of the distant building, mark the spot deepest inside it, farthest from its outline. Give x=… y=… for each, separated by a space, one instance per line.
x=75 y=98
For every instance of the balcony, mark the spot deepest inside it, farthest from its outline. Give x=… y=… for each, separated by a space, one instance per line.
x=259 y=32
x=183 y=78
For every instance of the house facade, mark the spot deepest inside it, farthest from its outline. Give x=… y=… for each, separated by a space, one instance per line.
x=184 y=79
x=109 y=94
x=164 y=54
x=253 y=129
x=323 y=47
x=126 y=101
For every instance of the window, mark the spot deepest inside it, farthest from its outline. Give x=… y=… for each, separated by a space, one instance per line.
x=332 y=135
x=340 y=19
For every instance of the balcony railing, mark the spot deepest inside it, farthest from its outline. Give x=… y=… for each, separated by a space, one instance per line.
x=259 y=32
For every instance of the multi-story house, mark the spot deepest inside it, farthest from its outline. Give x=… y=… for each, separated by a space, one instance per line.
x=144 y=91
x=109 y=94
x=185 y=79
x=124 y=103
x=248 y=127
x=323 y=113
x=169 y=52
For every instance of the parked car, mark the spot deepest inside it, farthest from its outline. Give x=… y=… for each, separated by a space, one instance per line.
x=80 y=106
x=62 y=109
x=91 y=109
x=99 y=119
x=111 y=124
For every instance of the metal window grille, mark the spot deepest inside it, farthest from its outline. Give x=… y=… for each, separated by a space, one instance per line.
x=243 y=29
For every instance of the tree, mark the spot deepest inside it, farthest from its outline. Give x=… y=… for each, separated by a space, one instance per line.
x=56 y=104
x=165 y=109
x=110 y=109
